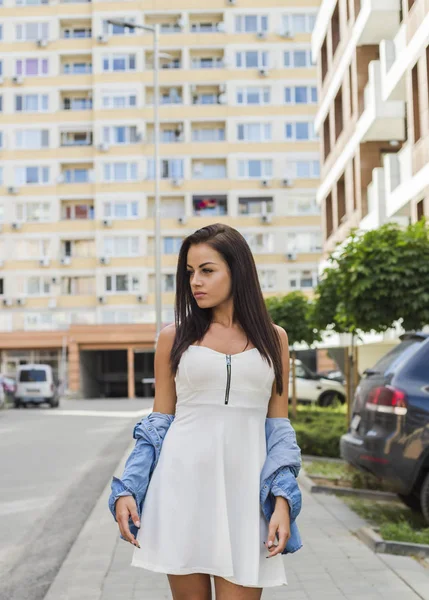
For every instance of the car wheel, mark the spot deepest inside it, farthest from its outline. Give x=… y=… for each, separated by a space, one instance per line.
x=424 y=497
x=327 y=399
x=17 y=404
x=411 y=500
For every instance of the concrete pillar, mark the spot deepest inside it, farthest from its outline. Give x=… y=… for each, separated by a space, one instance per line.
x=131 y=383
x=74 y=367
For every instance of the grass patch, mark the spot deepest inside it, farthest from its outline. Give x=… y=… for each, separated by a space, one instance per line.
x=318 y=430
x=344 y=475
x=395 y=521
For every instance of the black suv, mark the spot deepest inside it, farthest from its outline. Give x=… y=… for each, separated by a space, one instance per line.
x=389 y=428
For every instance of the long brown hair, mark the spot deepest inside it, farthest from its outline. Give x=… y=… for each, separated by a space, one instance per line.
x=192 y=322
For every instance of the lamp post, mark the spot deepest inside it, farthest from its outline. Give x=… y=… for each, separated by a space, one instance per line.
x=156 y=55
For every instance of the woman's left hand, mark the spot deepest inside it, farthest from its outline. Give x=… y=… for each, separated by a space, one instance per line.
x=279 y=522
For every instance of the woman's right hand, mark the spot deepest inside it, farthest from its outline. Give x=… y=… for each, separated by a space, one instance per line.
x=126 y=507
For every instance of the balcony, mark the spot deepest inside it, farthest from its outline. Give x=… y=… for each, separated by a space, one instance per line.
x=376 y=201
x=209 y=169
x=77 y=100
x=175 y=62
x=168 y=23
x=77 y=210
x=378 y=20
x=76 y=138
x=210 y=23
x=208 y=94
x=208 y=132
x=380 y=120
x=167 y=95
x=75 y=29
x=209 y=205
x=170 y=133
x=207 y=59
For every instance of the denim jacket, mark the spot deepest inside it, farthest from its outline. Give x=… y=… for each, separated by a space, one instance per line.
x=278 y=475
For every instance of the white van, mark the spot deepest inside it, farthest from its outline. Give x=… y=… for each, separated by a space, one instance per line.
x=35 y=385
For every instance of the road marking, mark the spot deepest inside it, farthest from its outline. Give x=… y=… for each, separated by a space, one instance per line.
x=101 y=413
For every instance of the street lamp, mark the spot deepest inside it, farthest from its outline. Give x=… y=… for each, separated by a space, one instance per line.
x=156 y=55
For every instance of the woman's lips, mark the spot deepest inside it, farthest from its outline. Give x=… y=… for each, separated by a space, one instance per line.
x=199 y=294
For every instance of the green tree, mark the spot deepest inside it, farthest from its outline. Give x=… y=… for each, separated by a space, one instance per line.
x=293 y=312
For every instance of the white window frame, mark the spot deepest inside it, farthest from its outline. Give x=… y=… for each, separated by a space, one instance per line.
x=263 y=59
x=21 y=31
x=42 y=100
x=44 y=285
x=110 y=58
x=289 y=58
x=267 y=239
x=43 y=175
x=263 y=92
x=292 y=90
x=109 y=209
x=267 y=279
x=217 y=134
x=265 y=133
x=109 y=29
x=108 y=99
x=130 y=175
x=298 y=275
x=293 y=126
x=133 y=283
x=40 y=62
x=24 y=141
x=241 y=26
x=314 y=171
x=244 y=171
x=111 y=243
x=131 y=135
x=288 y=25
x=23 y=208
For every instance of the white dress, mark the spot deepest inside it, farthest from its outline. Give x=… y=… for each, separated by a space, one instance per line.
x=202 y=511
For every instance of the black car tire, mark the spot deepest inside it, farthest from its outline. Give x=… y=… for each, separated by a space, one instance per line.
x=424 y=497
x=412 y=501
x=17 y=404
x=328 y=398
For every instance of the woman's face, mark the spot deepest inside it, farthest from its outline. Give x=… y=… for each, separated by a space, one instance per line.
x=208 y=274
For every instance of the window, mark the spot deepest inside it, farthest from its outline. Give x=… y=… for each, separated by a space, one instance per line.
x=301 y=95
x=76 y=138
x=110 y=29
x=31 y=103
x=121 y=246
x=119 y=62
x=30 y=32
x=78 y=211
x=1 y=32
x=38 y=286
x=119 y=100
x=299 y=130
x=203 y=134
x=302 y=279
x=254 y=95
x=307 y=169
x=31 y=249
x=77 y=68
x=1 y=140
x=120 y=171
x=168 y=282
x=170 y=168
x=260 y=242
x=204 y=99
x=1 y=103
x=172 y=245
x=1 y=181
x=121 y=283
x=31 y=175
x=33 y=211
x=172 y=96
x=77 y=33
x=254 y=168
x=302 y=206
x=207 y=62
x=78 y=286
x=299 y=23
x=255 y=206
x=254 y=132
x=251 y=59
x=297 y=59
x=121 y=134
x=120 y=210
x=30 y=2
x=267 y=279
x=77 y=103
x=208 y=170
x=32 y=139
x=302 y=241
x=251 y=23
x=77 y=175
x=31 y=66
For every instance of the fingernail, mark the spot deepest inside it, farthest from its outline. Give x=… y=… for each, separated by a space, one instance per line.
x=138 y=523
x=270 y=544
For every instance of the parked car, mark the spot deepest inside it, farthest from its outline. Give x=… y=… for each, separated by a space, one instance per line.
x=9 y=384
x=314 y=388
x=389 y=428
x=35 y=385
x=335 y=375
x=2 y=395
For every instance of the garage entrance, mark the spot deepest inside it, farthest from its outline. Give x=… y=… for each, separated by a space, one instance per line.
x=116 y=373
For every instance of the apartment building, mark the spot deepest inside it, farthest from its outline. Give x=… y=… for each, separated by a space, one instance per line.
x=237 y=102
x=373 y=114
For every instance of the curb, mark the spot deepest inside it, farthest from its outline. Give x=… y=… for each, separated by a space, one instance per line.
x=315 y=488
x=311 y=458
x=377 y=544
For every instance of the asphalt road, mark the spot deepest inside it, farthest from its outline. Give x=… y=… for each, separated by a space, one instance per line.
x=54 y=464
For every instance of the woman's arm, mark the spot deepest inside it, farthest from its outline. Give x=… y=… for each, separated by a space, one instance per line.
x=279 y=404
x=165 y=387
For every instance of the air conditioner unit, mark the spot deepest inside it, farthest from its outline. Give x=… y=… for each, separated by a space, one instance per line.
x=107 y=223
x=12 y=189
x=20 y=301
x=52 y=303
x=263 y=72
x=42 y=43
x=181 y=220
x=7 y=302
x=104 y=260
x=222 y=98
x=18 y=79
x=104 y=147
x=291 y=255
x=261 y=35
x=103 y=38
x=177 y=182
x=142 y=298
x=265 y=182
x=16 y=226
x=101 y=299
x=66 y=260
x=287 y=182
x=266 y=218
x=44 y=262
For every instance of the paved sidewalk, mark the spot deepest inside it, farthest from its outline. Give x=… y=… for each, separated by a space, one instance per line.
x=332 y=565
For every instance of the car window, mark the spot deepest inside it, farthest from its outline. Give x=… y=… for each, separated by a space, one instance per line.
x=417 y=368
x=32 y=375
x=390 y=360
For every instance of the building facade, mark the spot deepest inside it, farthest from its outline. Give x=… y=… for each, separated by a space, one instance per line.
x=237 y=102
x=373 y=114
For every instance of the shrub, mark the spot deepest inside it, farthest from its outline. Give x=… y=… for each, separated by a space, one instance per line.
x=318 y=430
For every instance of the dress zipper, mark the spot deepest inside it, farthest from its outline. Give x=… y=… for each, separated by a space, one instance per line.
x=228 y=381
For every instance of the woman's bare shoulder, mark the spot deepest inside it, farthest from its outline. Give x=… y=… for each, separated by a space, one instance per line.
x=166 y=336
x=282 y=332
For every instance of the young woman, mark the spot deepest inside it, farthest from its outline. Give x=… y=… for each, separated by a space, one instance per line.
x=221 y=370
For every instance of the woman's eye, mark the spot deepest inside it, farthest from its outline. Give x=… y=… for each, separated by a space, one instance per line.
x=208 y=270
